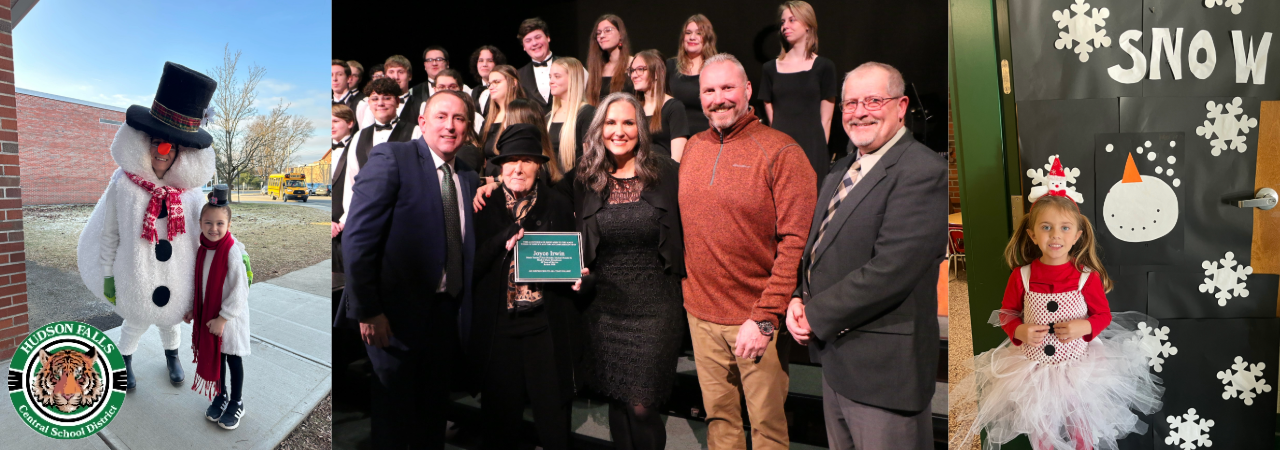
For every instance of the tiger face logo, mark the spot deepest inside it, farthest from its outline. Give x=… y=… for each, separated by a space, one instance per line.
x=67 y=380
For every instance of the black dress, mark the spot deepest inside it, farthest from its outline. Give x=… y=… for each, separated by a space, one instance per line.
x=685 y=88
x=585 y=114
x=604 y=87
x=634 y=322
x=797 y=106
x=674 y=125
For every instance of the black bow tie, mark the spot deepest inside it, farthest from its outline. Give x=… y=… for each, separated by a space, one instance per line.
x=337 y=145
x=542 y=64
x=379 y=127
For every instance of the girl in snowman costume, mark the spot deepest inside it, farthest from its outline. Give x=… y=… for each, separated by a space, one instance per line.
x=140 y=244
x=1072 y=374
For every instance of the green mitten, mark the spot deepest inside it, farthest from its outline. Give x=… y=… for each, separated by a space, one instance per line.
x=109 y=289
x=248 y=270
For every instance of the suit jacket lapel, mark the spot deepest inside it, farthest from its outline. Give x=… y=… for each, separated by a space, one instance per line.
x=859 y=192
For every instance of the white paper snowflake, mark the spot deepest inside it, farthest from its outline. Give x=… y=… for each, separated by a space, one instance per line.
x=1245 y=384
x=1230 y=131
x=1192 y=435
x=1056 y=180
x=1233 y=4
x=1229 y=279
x=1082 y=29
x=1151 y=343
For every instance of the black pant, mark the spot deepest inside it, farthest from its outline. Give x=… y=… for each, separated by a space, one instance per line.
x=522 y=369
x=235 y=365
x=411 y=391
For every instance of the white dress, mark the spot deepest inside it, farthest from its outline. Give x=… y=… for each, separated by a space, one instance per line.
x=235 y=300
x=1054 y=392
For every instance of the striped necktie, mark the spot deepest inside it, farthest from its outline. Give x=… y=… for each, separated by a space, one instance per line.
x=846 y=185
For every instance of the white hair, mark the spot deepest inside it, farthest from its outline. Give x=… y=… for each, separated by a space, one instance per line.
x=896 y=85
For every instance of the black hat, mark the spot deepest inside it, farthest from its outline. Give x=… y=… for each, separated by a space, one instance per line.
x=220 y=195
x=521 y=139
x=178 y=108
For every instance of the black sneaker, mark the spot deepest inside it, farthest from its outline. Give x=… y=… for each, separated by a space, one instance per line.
x=231 y=417
x=215 y=410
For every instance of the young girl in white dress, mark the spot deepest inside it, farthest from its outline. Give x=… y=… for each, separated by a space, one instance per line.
x=1071 y=375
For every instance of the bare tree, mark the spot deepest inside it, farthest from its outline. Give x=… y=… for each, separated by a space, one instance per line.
x=235 y=149
x=281 y=134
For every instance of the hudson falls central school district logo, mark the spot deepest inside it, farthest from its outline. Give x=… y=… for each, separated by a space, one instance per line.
x=67 y=380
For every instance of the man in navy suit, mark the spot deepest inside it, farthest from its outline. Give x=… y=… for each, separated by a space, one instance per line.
x=408 y=247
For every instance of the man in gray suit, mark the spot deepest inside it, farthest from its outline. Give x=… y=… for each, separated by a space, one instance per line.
x=867 y=296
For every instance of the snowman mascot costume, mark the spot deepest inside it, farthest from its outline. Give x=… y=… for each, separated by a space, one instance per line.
x=138 y=250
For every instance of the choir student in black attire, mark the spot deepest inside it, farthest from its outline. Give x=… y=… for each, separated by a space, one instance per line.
x=668 y=129
x=526 y=337
x=385 y=125
x=608 y=57
x=697 y=43
x=342 y=127
x=396 y=68
x=375 y=72
x=570 y=113
x=483 y=60
x=504 y=87
x=338 y=83
x=799 y=88
x=357 y=75
x=435 y=60
x=535 y=37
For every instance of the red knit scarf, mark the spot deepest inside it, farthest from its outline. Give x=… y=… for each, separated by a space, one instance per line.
x=177 y=224
x=208 y=303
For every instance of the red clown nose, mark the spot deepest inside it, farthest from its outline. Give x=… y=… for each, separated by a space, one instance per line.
x=164 y=148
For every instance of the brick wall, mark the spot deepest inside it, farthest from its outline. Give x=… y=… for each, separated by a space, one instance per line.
x=13 y=269
x=953 y=178
x=66 y=148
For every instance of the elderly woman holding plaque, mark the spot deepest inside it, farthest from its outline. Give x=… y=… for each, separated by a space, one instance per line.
x=632 y=244
x=524 y=335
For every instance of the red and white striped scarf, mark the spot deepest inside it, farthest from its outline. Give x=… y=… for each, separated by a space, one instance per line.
x=159 y=194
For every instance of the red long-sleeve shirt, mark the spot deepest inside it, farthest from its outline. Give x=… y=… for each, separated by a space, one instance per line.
x=1048 y=279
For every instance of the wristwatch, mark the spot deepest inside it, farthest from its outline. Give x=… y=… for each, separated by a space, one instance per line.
x=766 y=328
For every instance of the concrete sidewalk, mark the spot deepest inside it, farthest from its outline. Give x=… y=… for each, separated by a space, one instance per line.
x=287 y=374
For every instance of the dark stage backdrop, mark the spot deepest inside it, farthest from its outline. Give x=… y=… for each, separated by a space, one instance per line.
x=908 y=34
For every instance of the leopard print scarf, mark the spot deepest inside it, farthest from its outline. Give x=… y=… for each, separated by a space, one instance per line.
x=521 y=296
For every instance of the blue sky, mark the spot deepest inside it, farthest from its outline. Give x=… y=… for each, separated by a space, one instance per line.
x=114 y=52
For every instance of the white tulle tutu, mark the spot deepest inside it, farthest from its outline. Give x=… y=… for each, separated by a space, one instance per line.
x=1092 y=399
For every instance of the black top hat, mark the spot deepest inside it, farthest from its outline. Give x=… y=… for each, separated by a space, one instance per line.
x=220 y=195
x=521 y=139
x=178 y=107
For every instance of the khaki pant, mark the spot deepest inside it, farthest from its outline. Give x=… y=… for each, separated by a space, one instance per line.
x=721 y=374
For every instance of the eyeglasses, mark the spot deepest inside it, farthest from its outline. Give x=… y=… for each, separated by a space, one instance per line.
x=605 y=31
x=871 y=103
x=637 y=69
x=435 y=60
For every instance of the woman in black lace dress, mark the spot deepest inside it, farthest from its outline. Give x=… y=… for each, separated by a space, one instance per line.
x=634 y=251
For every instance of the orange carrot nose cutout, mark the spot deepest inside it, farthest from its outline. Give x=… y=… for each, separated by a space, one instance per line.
x=1131 y=172
x=165 y=147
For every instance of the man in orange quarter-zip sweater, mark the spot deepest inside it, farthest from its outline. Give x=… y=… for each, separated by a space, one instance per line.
x=747 y=196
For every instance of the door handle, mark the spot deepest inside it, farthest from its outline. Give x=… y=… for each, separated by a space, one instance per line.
x=1266 y=199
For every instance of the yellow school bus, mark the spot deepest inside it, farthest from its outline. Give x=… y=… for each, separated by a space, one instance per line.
x=285 y=186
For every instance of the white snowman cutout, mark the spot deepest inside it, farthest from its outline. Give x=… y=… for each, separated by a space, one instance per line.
x=1055 y=183
x=1140 y=208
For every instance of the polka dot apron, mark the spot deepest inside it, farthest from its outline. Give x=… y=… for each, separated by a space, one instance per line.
x=1049 y=309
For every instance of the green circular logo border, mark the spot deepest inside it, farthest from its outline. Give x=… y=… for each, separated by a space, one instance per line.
x=59 y=336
